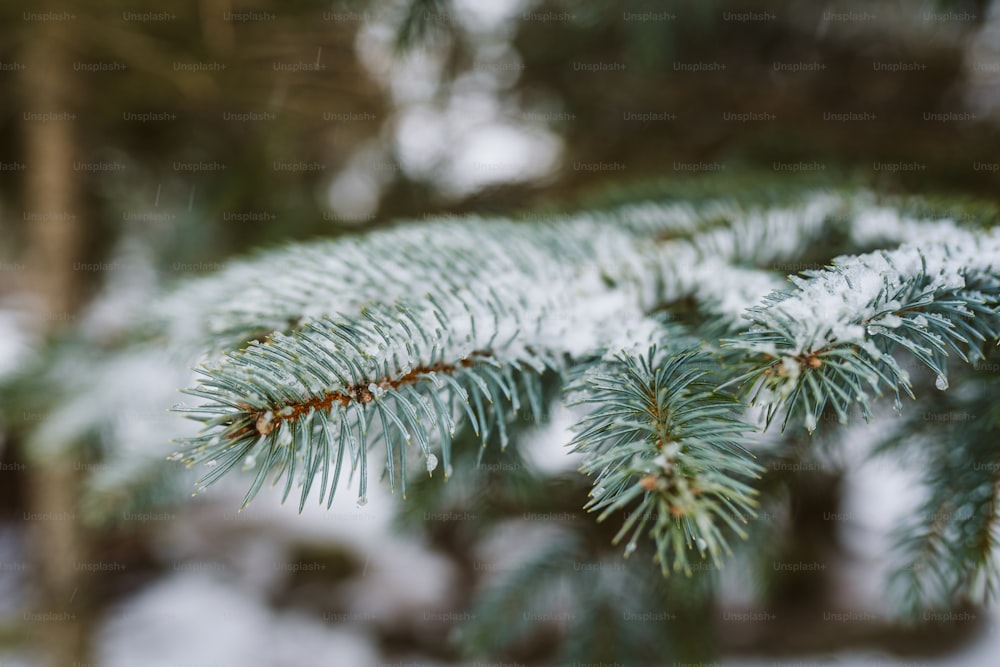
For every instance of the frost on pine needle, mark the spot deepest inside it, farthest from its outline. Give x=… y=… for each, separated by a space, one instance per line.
x=875 y=225
x=931 y=299
x=316 y=353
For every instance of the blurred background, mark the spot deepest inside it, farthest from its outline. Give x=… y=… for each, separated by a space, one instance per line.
x=144 y=144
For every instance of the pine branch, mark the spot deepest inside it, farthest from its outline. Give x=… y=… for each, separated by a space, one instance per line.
x=393 y=375
x=950 y=546
x=527 y=593
x=595 y=602
x=654 y=253
x=832 y=340
x=399 y=336
x=663 y=444
x=420 y=19
x=284 y=289
x=273 y=403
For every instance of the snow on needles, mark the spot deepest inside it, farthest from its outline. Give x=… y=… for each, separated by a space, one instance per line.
x=837 y=305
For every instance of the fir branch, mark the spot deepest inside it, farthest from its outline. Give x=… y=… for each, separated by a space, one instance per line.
x=419 y=21
x=528 y=592
x=569 y=586
x=949 y=548
x=665 y=445
x=480 y=308
x=284 y=289
x=737 y=245
x=831 y=342
x=596 y=271
x=298 y=402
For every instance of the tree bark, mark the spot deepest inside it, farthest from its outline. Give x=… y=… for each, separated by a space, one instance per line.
x=53 y=216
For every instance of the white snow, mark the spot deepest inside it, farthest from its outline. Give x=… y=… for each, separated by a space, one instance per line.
x=124 y=401
x=459 y=136
x=16 y=346
x=192 y=618
x=833 y=305
x=545 y=446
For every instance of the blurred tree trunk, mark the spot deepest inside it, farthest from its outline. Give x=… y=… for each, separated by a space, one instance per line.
x=53 y=215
